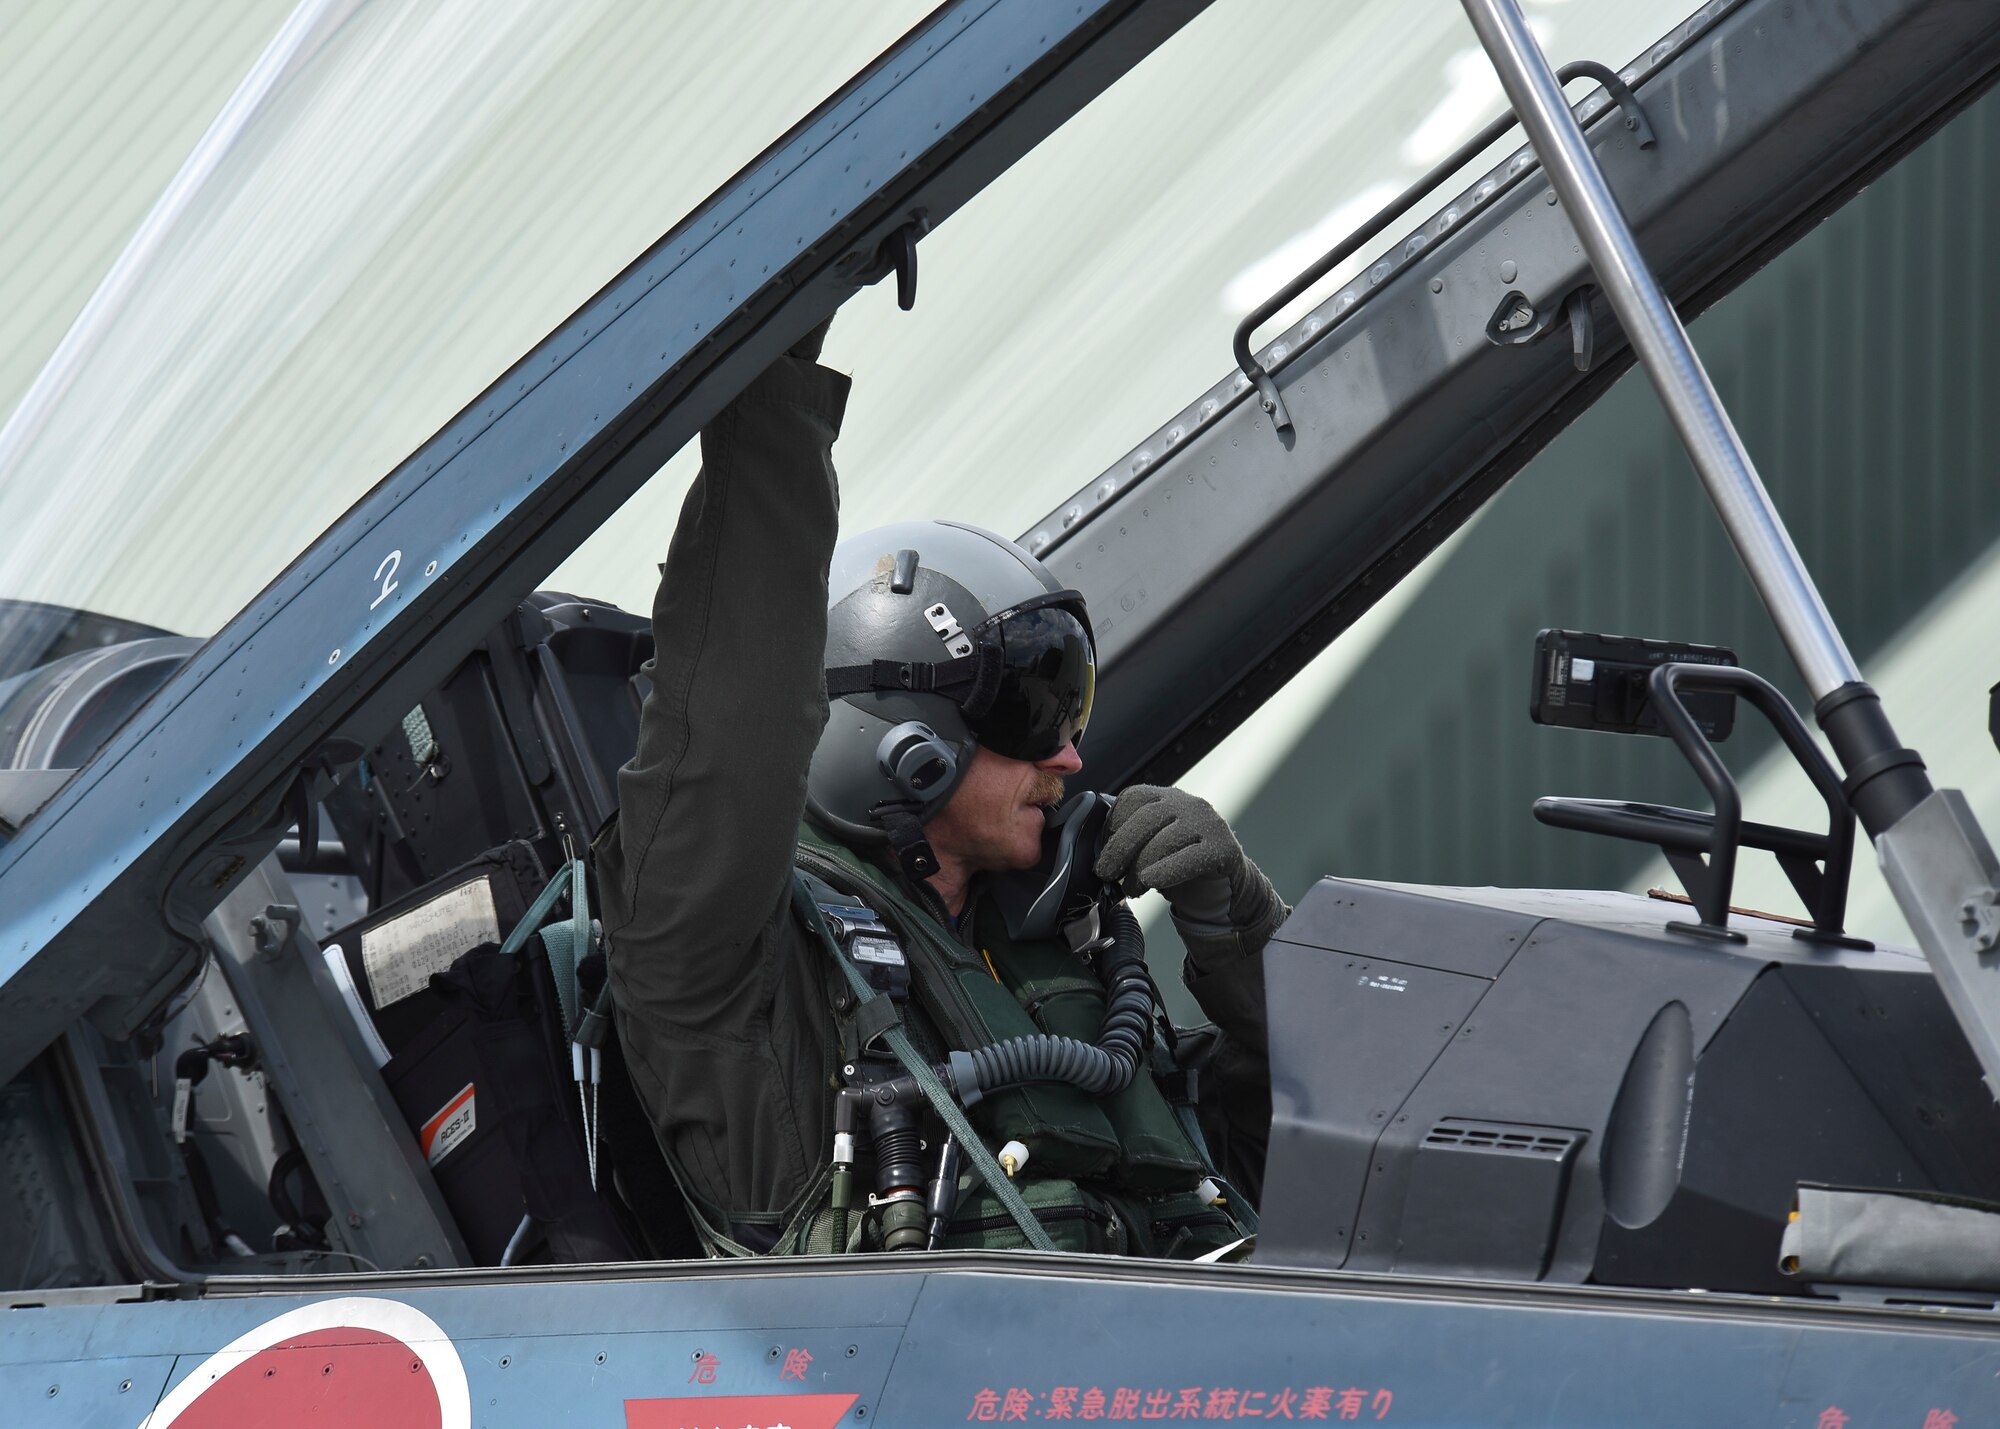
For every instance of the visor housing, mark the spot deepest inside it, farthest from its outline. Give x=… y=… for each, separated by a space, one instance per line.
x=1047 y=677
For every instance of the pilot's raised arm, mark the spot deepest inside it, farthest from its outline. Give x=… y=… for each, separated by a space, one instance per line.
x=963 y=674
x=694 y=874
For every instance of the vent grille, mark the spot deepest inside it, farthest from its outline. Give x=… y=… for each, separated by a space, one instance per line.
x=1551 y=1143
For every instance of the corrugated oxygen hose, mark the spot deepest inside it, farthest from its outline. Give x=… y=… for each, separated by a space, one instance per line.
x=1096 y=1070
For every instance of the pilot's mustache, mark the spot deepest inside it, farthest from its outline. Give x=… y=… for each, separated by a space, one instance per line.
x=1046 y=790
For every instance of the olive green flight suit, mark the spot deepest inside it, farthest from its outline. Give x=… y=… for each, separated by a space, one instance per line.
x=724 y=1004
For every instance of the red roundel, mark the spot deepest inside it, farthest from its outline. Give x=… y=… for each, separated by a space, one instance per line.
x=371 y=1364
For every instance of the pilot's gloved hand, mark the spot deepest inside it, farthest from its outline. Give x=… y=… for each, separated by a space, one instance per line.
x=1165 y=838
x=808 y=347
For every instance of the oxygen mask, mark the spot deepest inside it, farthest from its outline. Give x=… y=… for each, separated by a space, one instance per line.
x=1063 y=886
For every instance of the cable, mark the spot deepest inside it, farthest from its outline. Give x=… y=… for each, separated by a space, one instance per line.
x=360 y=1260
x=517 y=1244
x=1096 y=1070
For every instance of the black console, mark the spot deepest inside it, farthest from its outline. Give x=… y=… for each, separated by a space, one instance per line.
x=1553 y=1086
x=1574 y=1086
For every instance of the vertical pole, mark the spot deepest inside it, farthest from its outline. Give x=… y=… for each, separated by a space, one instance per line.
x=1933 y=854
x=1663 y=349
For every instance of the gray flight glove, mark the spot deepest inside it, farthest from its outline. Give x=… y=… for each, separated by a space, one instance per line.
x=1165 y=838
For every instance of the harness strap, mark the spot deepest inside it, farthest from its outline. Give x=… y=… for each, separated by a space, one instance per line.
x=927 y=1080
x=903 y=825
x=532 y=919
x=870 y=1021
x=567 y=944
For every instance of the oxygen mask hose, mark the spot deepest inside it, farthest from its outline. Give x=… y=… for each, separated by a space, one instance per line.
x=899 y=1172
x=1097 y=1070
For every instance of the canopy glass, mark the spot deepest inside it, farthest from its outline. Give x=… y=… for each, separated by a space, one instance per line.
x=223 y=330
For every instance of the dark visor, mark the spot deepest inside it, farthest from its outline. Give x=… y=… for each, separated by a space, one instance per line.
x=1048 y=675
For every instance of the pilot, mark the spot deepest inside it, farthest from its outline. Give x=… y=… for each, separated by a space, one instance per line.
x=738 y=1026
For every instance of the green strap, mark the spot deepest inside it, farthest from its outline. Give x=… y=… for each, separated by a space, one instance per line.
x=566 y=943
x=927 y=1081
x=532 y=919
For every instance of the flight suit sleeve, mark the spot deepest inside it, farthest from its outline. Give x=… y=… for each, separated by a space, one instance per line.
x=698 y=862
x=1225 y=972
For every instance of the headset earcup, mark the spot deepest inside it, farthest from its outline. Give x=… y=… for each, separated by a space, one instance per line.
x=920 y=764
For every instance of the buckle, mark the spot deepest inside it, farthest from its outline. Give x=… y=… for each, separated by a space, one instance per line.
x=847 y=919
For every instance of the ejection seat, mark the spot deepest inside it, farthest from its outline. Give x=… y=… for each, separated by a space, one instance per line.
x=455 y=822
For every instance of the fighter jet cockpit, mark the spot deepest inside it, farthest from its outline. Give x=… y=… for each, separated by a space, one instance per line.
x=304 y=984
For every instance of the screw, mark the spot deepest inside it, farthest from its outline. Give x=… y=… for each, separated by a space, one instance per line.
x=860 y=1411
x=124 y=1386
x=506 y=1360
x=334 y=658
x=416 y=1366
x=354 y=1219
x=325 y=1370
x=853 y=1350
x=54 y=1390
x=695 y=1356
x=602 y=1357
x=431 y=569
x=1437 y=285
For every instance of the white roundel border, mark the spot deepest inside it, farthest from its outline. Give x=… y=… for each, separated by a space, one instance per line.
x=387 y=1317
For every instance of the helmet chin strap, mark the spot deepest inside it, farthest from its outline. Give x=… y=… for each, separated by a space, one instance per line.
x=904 y=827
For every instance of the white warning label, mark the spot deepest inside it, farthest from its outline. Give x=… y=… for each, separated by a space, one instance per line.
x=183 y=1104
x=400 y=955
x=447 y=1131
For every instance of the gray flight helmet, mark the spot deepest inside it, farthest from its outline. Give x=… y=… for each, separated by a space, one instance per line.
x=884 y=593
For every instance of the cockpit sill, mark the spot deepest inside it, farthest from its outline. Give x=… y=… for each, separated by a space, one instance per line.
x=1912 y=1310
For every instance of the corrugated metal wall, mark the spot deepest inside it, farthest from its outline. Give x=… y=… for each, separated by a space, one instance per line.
x=1857 y=367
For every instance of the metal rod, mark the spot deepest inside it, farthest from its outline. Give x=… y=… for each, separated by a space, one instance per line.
x=1663 y=349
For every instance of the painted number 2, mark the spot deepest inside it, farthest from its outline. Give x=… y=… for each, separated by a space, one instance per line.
x=386 y=573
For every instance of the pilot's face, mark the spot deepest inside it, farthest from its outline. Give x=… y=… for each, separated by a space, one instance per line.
x=993 y=820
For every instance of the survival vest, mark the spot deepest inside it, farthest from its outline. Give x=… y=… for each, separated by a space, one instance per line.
x=1116 y=1174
